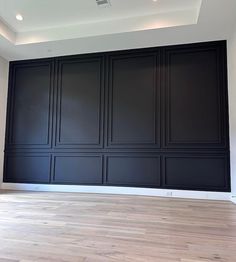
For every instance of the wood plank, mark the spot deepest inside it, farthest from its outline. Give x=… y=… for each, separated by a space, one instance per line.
x=42 y=226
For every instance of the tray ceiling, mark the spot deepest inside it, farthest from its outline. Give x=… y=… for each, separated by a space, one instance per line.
x=64 y=27
x=59 y=19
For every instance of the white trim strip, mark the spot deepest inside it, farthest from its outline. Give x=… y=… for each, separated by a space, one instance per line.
x=120 y=190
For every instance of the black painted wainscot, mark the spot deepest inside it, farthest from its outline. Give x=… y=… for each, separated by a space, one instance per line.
x=155 y=117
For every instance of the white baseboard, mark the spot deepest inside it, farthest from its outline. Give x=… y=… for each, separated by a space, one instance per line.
x=120 y=190
x=233 y=199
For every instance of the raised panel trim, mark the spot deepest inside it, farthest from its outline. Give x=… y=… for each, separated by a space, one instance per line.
x=11 y=107
x=130 y=155
x=225 y=188
x=80 y=155
x=26 y=155
x=219 y=48
x=85 y=144
x=155 y=142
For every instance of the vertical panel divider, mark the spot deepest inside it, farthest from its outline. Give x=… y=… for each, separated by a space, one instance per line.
x=55 y=86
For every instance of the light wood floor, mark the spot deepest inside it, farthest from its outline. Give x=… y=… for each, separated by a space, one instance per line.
x=88 y=227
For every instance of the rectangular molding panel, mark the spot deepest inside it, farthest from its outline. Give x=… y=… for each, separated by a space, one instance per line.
x=153 y=117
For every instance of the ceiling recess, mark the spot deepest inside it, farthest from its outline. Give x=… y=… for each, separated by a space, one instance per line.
x=103 y=3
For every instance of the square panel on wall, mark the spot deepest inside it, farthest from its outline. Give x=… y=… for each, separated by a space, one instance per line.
x=80 y=103
x=195 y=94
x=196 y=171
x=30 y=104
x=78 y=169
x=133 y=170
x=27 y=168
x=134 y=101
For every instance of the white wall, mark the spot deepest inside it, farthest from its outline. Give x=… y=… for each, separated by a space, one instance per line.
x=232 y=106
x=4 y=65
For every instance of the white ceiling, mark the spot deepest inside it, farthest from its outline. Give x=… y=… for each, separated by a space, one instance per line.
x=54 y=20
x=64 y=27
x=45 y=14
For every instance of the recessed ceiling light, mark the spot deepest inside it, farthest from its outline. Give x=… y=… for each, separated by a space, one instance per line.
x=19 y=17
x=154 y=0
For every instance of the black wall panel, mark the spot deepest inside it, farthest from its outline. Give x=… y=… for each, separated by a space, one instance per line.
x=74 y=169
x=30 y=105
x=133 y=170
x=79 y=112
x=195 y=171
x=193 y=86
x=155 y=117
x=27 y=168
x=134 y=93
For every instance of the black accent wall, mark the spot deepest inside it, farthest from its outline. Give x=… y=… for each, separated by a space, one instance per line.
x=155 y=117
